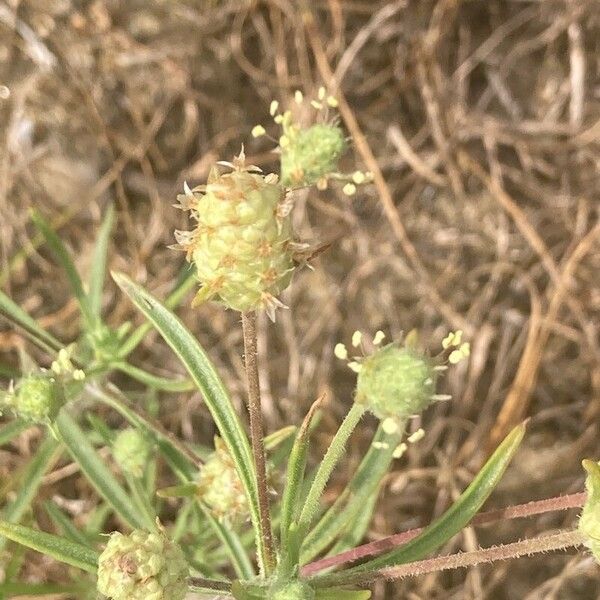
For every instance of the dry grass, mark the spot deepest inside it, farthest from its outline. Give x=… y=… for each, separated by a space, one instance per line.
x=481 y=123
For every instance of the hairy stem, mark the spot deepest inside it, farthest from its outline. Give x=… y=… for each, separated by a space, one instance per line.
x=547 y=543
x=330 y=460
x=518 y=511
x=256 y=437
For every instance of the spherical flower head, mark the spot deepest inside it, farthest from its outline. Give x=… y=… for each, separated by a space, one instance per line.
x=142 y=566
x=220 y=487
x=396 y=382
x=311 y=154
x=242 y=244
x=294 y=590
x=589 y=522
x=38 y=398
x=131 y=450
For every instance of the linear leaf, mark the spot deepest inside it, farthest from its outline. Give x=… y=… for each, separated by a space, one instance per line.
x=154 y=381
x=16 y=589
x=291 y=494
x=12 y=430
x=98 y=269
x=62 y=550
x=184 y=284
x=64 y=524
x=208 y=381
x=32 y=328
x=30 y=480
x=64 y=259
x=363 y=486
x=97 y=473
x=451 y=522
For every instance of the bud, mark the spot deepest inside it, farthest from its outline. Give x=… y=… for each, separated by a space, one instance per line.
x=311 y=153
x=589 y=522
x=142 y=566
x=396 y=382
x=38 y=398
x=241 y=245
x=220 y=487
x=131 y=450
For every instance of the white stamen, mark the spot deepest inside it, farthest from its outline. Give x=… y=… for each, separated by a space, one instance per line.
x=419 y=434
x=389 y=426
x=340 y=351
x=356 y=339
x=379 y=337
x=400 y=450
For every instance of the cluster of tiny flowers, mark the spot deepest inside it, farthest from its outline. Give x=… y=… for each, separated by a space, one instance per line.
x=310 y=155
x=242 y=244
x=220 y=487
x=396 y=381
x=39 y=396
x=131 y=450
x=142 y=566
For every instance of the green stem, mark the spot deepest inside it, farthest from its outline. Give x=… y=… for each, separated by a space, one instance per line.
x=256 y=439
x=330 y=460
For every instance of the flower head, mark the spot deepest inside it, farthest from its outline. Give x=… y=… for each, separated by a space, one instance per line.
x=142 y=566
x=242 y=243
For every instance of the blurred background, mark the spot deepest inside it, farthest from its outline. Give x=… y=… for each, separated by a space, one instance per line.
x=484 y=119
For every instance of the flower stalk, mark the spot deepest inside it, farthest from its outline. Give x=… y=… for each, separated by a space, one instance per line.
x=256 y=438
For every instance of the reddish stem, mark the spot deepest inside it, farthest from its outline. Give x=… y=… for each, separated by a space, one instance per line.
x=389 y=543
x=460 y=560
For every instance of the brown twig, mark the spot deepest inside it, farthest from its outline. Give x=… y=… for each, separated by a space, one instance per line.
x=256 y=436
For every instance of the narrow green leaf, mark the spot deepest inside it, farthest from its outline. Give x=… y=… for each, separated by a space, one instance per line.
x=233 y=546
x=97 y=473
x=291 y=494
x=332 y=457
x=62 y=550
x=341 y=594
x=98 y=269
x=30 y=326
x=11 y=430
x=185 y=282
x=450 y=523
x=64 y=524
x=353 y=499
x=154 y=381
x=209 y=383
x=30 y=480
x=17 y=589
x=64 y=259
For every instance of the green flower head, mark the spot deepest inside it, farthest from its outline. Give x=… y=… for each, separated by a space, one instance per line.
x=38 y=397
x=131 y=450
x=142 y=566
x=589 y=522
x=242 y=243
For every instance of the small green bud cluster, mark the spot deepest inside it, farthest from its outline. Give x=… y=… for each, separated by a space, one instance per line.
x=142 y=566
x=310 y=154
x=131 y=450
x=37 y=397
x=589 y=522
x=242 y=245
x=398 y=381
x=220 y=487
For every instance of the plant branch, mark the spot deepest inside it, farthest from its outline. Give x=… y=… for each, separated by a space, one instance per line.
x=386 y=544
x=209 y=584
x=256 y=437
x=330 y=460
x=461 y=560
